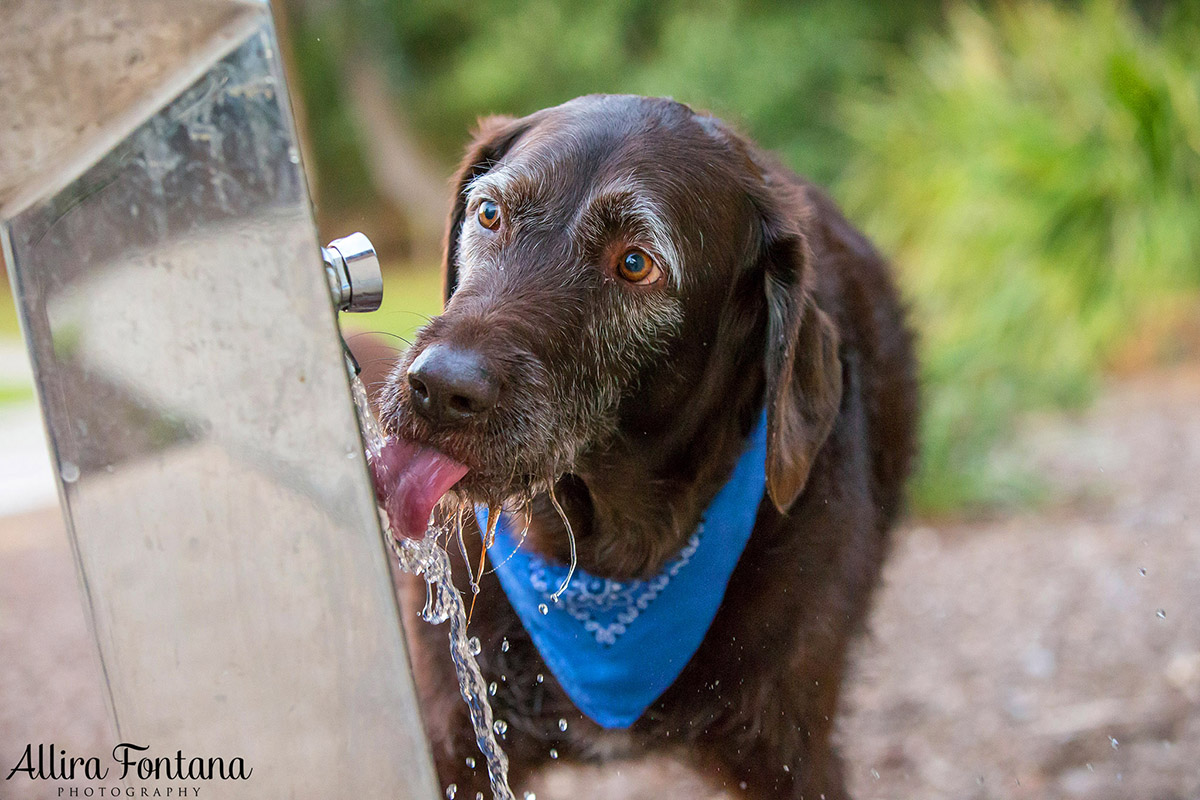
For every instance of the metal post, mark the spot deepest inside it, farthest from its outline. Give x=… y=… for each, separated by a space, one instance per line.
x=158 y=232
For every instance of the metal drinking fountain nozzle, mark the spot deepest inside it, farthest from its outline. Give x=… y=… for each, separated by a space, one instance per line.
x=355 y=280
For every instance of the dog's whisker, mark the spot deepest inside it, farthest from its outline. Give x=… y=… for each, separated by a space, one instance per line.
x=365 y=362
x=570 y=538
x=360 y=334
x=425 y=317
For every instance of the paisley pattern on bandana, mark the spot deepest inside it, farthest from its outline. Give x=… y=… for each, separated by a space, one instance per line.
x=605 y=607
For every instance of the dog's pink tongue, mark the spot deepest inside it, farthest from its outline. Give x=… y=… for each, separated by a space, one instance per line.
x=409 y=481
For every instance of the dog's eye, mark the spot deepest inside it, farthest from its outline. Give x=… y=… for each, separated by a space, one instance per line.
x=489 y=214
x=637 y=267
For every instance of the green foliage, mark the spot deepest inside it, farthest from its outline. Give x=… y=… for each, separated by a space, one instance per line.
x=1031 y=167
x=775 y=67
x=319 y=43
x=1034 y=174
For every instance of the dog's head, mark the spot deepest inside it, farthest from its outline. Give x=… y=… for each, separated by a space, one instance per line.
x=610 y=262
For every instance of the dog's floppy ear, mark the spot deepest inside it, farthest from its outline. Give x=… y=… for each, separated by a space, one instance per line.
x=803 y=372
x=493 y=137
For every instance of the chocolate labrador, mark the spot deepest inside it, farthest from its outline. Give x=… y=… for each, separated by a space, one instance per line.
x=633 y=290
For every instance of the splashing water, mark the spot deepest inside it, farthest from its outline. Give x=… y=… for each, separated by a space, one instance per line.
x=443 y=603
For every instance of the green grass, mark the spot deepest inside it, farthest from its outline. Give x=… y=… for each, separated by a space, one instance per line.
x=10 y=394
x=10 y=334
x=412 y=293
x=10 y=328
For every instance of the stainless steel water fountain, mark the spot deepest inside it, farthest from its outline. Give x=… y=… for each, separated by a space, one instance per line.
x=158 y=233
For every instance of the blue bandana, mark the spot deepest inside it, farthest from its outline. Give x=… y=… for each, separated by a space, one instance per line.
x=615 y=646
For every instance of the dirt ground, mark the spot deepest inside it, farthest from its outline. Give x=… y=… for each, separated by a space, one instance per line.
x=1051 y=654
x=1054 y=653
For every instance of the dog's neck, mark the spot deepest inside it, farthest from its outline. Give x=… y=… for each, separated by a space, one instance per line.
x=633 y=503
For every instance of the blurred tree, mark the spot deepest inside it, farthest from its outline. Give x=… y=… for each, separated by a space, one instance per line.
x=774 y=67
x=1031 y=165
x=1036 y=176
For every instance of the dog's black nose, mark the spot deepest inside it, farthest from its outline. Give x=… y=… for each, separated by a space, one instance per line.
x=450 y=384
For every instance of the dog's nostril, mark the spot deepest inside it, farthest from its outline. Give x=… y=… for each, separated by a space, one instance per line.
x=465 y=405
x=418 y=388
x=450 y=384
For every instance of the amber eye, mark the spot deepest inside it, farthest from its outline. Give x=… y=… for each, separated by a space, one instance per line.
x=489 y=214
x=637 y=267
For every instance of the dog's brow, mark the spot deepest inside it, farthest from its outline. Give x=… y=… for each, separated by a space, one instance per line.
x=631 y=207
x=506 y=185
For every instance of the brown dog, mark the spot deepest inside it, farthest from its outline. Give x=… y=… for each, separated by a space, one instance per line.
x=628 y=284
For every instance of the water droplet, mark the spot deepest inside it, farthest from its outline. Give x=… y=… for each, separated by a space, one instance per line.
x=473 y=646
x=1113 y=741
x=479 y=796
x=553 y=753
x=470 y=763
x=542 y=609
x=562 y=724
x=451 y=790
x=1161 y=613
x=530 y=796
x=786 y=768
x=500 y=727
x=1142 y=572
x=70 y=474
x=540 y=677
x=492 y=688
x=504 y=645
x=742 y=785
x=293 y=155
x=875 y=774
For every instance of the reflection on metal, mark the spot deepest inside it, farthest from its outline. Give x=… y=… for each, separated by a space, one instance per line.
x=155 y=222
x=355 y=280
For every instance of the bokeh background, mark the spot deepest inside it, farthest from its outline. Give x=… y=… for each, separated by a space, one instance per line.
x=1033 y=170
x=1031 y=167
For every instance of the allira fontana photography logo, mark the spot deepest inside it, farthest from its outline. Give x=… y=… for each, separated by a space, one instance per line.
x=131 y=770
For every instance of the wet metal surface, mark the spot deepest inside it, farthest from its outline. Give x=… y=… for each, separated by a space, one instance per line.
x=187 y=361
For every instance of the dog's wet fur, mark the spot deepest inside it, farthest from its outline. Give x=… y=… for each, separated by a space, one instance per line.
x=634 y=402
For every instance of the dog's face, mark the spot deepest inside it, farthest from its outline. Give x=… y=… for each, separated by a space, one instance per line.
x=600 y=254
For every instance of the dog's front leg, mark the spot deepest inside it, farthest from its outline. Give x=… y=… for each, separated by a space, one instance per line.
x=772 y=765
x=774 y=740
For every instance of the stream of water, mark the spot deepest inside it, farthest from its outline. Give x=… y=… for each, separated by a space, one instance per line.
x=443 y=603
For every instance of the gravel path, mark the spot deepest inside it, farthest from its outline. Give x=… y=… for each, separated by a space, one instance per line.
x=1052 y=654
